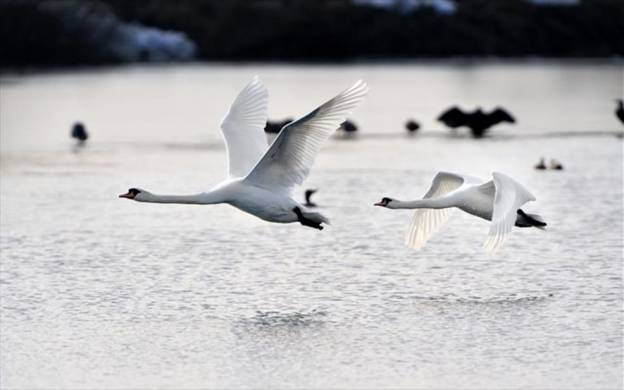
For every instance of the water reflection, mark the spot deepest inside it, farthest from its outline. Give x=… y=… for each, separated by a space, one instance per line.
x=275 y=319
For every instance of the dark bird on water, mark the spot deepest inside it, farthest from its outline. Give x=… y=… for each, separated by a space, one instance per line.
x=412 y=126
x=478 y=121
x=274 y=127
x=556 y=165
x=541 y=165
x=79 y=132
x=348 y=126
x=619 y=111
x=308 y=195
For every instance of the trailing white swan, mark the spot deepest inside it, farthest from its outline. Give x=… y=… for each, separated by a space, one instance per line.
x=261 y=178
x=498 y=200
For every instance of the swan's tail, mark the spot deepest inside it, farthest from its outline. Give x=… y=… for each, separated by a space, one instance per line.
x=530 y=220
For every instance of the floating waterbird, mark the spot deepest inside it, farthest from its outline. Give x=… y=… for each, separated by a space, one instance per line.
x=498 y=200
x=261 y=177
x=541 y=165
x=308 y=195
x=412 y=126
x=348 y=126
x=79 y=132
x=619 y=111
x=274 y=127
x=556 y=165
x=478 y=121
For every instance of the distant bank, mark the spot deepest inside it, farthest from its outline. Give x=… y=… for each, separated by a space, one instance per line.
x=69 y=33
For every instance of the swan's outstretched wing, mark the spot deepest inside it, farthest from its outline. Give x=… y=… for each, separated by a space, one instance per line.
x=290 y=157
x=243 y=128
x=509 y=197
x=426 y=222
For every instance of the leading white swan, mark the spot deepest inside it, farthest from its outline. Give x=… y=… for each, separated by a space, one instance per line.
x=261 y=178
x=498 y=200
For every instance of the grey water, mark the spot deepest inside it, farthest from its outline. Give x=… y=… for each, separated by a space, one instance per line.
x=101 y=292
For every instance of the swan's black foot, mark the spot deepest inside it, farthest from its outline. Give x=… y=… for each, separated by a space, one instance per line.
x=305 y=221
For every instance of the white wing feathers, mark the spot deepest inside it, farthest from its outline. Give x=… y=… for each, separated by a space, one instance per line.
x=290 y=157
x=426 y=222
x=510 y=196
x=243 y=128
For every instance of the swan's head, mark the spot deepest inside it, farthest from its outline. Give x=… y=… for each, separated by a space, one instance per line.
x=133 y=193
x=384 y=202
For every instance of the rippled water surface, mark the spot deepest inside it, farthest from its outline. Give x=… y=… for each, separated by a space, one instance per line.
x=100 y=292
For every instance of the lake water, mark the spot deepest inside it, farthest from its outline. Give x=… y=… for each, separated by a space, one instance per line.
x=99 y=292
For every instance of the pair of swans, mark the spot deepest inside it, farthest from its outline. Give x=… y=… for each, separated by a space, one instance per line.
x=261 y=177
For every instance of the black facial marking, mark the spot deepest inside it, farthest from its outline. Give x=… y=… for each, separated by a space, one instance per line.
x=385 y=201
x=134 y=191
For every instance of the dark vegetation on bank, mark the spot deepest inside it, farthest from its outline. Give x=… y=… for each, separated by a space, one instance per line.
x=33 y=33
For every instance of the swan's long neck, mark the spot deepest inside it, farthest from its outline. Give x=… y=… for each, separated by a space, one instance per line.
x=435 y=203
x=203 y=198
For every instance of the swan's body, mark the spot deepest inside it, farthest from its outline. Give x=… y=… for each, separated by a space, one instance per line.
x=258 y=201
x=261 y=178
x=498 y=200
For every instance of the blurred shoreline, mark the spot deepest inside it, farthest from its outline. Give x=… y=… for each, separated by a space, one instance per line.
x=450 y=61
x=103 y=32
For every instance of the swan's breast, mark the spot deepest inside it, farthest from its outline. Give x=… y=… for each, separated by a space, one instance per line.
x=264 y=204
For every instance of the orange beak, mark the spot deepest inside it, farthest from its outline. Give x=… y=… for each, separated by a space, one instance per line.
x=127 y=195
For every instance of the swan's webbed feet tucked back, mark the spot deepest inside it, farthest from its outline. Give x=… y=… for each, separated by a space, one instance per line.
x=529 y=220
x=305 y=221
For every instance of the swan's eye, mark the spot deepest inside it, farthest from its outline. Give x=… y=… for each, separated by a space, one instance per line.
x=134 y=191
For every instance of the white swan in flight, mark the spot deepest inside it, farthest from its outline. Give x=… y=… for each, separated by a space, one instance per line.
x=261 y=178
x=498 y=200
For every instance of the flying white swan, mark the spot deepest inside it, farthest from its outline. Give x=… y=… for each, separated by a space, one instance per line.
x=498 y=200
x=261 y=178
